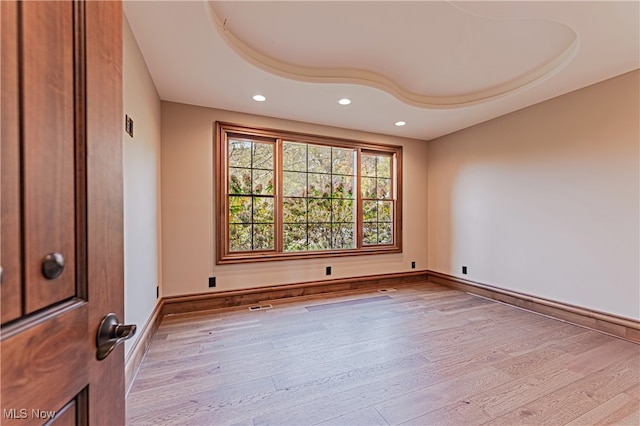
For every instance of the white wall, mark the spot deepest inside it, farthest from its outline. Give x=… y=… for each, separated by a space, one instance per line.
x=141 y=156
x=545 y=200
x=188 y=205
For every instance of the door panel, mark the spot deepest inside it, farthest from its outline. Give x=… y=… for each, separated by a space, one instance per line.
x=48 y=149
x=10 y=293
x=66 y=417
x=64 y=195
x=29 y=361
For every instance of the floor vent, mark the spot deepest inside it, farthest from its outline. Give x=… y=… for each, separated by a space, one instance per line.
x=386 y=290
x=260 y=307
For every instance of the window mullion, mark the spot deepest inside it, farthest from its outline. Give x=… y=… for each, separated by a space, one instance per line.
x=278 y=197
x=223 y=200
x=359 y=207
x=253 y=225
x=331 y=213
x=306 y=191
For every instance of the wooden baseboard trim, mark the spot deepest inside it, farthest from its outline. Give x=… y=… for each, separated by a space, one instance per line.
x=141 y=346
x=624 y=328
x=226 y=299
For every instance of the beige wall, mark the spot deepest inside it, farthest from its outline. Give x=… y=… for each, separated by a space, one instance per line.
x=141 y=158
x=188 y=202
x=545 y=200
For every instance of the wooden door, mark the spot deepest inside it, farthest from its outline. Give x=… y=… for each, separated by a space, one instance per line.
x=61 y=241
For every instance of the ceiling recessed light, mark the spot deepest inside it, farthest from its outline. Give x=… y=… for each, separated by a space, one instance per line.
x=400 y=123
x=259 y=98
x=344 y=101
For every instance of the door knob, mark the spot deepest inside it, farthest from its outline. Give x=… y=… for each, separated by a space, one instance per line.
x=111 y=333
x=52 y=266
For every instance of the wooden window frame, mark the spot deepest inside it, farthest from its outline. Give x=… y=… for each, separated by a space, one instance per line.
x=225 y=256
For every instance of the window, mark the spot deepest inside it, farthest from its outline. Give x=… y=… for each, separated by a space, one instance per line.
x=250 y=195
x=319 y=211
x=287 y=195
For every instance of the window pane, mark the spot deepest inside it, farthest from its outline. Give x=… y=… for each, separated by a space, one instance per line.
x=239 y=237
x=319 y=185
x=343 y=161
x=239 y=153
x=294 y=156
x=262 y=237
x=294 y=184
x=370 y=211
x=376 y=165
x=343 y=236
x=342 y=186
x=319 y=210
x=343 y=211
x=384 y=189
x=262 y=156
x=295 y=210
x=384 y=211
x=369 y=234
x=368 y=165
x=368 y=186
x=262 y=210
x=319 y=237
x=319 y=159
x=383 y=166
x=263 y=182
x=385 y=233
x=295 y=237
x=239 y=181
x=239 y=209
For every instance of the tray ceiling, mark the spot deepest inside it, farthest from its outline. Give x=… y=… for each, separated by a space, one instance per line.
x=438 y=66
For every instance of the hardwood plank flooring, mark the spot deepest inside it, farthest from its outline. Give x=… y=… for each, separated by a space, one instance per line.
x=421 y=355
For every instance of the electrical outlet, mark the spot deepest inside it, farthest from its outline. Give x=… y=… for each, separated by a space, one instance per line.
x=212 y=281
x=128 y=125
x=413 y=265
x=328 y=270
x=464 y=270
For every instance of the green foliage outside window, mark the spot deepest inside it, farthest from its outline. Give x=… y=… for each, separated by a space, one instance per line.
x=251 y=201
x=318 y=206
x=377 y=206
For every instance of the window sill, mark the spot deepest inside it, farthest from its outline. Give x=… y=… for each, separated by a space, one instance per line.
x=268 y=256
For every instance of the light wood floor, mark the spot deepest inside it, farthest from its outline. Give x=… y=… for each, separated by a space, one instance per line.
x=422 y=355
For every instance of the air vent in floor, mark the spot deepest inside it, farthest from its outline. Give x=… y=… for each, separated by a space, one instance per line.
x=260 y=307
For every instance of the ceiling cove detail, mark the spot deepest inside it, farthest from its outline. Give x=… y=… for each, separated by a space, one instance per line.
x=434 y=56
